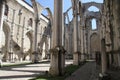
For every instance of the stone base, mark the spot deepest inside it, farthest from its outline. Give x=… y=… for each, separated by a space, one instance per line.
x=76 y=58
x=54 y=71
x=82 y=57
x=57 y=61
x=35 y=58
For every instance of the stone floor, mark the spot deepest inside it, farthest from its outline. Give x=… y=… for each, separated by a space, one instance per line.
x=114 y=74
x=86 y=72
x=24 y=72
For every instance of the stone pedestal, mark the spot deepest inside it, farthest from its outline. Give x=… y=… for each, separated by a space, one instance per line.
x=103 y=57
x=76 y=57
x=82 y=57
x=57 y=61
x=11 y=56
x=35 y=58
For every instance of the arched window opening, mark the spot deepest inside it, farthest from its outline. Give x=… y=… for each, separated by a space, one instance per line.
x=79 y=18
x=93 y=8
x=30 y=22
x=6 y=10
x=97 y=1
x=94 y=24
x=20 y=12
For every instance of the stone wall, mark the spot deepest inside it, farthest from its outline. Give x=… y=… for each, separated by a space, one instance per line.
x=18 y=28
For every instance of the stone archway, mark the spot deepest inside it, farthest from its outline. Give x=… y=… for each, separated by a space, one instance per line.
x=38 y=9
x=28 y=53
x=5 y=48
x=87 y=18
x=97 y=5
x=46 y=39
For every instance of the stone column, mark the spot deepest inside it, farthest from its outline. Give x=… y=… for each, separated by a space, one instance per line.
x=2 y=10
x=35 y=52
x=82 y=23
x=22 y=41
x=85 y=42
x=11 y=52
x=36 y=17
x=57 y=51
x=89 y=53
x=103 y=57
x=116 y=28
x=75 y=33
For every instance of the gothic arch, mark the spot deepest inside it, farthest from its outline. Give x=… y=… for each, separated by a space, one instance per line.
x=50 y=15
x=93 y=15
x=30 y=36
x=6 y=30
x=46 y=33
x=87 y=5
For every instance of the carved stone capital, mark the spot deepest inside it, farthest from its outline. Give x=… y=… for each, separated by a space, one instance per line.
x=77 y=52
x=57 y=49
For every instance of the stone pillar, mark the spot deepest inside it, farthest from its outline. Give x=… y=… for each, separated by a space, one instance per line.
x=2 y=10
x=82 y=44
x=35 y=58
x=103 y=57
x=35 y=52
x=57 y=52
x=89 y=52
x=82 y=23
x=11 y=37
x=85 y=42
x=46 y=47
x=75 y=33
x=116 y=14
x=22 y=41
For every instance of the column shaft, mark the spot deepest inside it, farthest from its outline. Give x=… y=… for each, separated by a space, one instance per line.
x=2 y=8
x=57 y=51
x=75 y=33
x=103 y=56
x=36 y=16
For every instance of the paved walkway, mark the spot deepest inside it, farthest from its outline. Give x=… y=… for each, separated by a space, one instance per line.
x=114 y=74
x=86 y=72
x=24 y=72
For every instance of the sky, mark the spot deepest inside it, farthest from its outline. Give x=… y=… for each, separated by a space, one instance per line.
x=66 y=5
